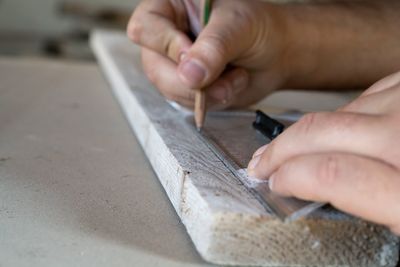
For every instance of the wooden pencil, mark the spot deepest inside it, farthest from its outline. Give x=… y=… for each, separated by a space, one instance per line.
x=199 y=108
x=200 y=96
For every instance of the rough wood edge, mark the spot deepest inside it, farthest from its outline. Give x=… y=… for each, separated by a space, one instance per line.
x=240 y=236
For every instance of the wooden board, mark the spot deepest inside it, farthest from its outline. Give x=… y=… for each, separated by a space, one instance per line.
x=226 y=224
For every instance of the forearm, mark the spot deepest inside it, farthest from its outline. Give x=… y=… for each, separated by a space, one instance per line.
x=339 y=45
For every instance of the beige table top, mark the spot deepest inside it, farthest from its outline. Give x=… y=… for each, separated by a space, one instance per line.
x=75 y=186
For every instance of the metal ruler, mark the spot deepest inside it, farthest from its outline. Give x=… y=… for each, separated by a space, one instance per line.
x=232 y=138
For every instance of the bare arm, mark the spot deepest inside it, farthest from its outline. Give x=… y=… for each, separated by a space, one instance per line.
x=341 y=44
x=329 y=45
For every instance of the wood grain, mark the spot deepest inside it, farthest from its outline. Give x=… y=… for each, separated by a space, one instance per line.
x=225 y=222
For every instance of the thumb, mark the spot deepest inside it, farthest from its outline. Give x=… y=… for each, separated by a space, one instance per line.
x=217 y=45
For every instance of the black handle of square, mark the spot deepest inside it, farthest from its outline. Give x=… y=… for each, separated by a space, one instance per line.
x=267 y=126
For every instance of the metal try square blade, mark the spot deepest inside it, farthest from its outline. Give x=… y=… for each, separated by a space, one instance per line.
x=232 y=138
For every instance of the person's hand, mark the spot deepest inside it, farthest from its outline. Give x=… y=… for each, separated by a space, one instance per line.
x=250 y=48
x=349 y=158
x=246 y=34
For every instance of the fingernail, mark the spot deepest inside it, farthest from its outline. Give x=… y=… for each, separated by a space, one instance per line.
x=239 y=83
x=192 y=72
x=271 y=181
x=253 y=163
x=220 y=94
x=260 y=151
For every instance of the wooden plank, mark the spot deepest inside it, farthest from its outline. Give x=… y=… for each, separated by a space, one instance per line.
x=225 y=222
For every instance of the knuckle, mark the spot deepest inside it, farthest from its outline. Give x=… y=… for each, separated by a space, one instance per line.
x=216 y=46
x=307 y=122
x=317 y=123
x=135 y=29
x=244 y=16
x=221 y=45
x=344 y=122
x=243 y=13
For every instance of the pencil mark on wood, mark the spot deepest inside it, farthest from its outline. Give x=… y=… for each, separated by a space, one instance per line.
x=225 y=222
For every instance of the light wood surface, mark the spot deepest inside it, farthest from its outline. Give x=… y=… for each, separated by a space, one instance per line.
x=225 y=222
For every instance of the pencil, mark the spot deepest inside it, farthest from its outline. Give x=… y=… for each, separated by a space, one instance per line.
x=200 y=96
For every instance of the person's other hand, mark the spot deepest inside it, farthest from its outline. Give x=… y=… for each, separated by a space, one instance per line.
x=349 y=158
x=247 y=35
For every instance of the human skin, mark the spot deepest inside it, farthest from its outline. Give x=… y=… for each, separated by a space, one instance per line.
x=330 y=45
x=349 y=158
x=334 y=157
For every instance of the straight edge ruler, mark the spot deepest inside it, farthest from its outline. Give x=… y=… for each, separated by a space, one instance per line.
x=287 y=209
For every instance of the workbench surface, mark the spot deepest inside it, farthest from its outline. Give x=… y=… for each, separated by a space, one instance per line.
x=75 y=186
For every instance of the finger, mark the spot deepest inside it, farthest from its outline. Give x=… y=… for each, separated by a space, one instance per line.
x=218 y=44
x=162 y=73
x=224 y=91
x=380 y=102
x=160 y=27
x=324 y=132
x=261 y=84
x=385 y=83
x=362 y=186
x=220 y=95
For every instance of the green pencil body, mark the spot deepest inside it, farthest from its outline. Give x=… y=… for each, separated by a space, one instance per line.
x=200 y=108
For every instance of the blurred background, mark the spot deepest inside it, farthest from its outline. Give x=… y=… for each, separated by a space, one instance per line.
x=60 y=29
x=57 y=28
